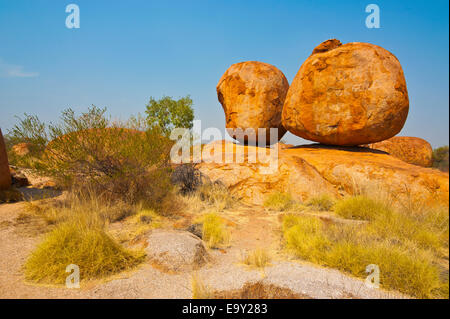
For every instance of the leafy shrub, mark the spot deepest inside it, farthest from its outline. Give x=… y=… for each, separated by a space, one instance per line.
x=168 y=113
x=440 y=158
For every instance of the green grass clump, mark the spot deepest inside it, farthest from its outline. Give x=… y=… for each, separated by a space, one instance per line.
x=361 y=207
x=81 y=243
x=322 y=202
x=215 y=233
x=406 y=262
x=279 y=201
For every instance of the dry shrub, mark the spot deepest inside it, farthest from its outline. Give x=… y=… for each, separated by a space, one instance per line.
x=216 y=195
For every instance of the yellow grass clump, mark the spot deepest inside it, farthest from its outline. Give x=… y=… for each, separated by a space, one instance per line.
x=323 y=202
x=279 y=201
x=83 y=243
x=406 y=248
x=215 y=233
x=258 y=258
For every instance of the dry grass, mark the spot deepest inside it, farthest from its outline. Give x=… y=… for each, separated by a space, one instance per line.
x=216 y=195
x=79 y=236
x=199 y=289
x=279 y=201
x=407 y=246
x=251 y=290
x=322 y=202
x=214 y=231
x=81 y=241
x=361 y=207
x=258 y=258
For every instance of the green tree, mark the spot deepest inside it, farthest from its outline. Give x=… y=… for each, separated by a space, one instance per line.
x=440 y=158
x=168 y=113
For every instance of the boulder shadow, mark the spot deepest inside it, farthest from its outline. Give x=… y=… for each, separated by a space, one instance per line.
x=353 y=149
x=31 y=193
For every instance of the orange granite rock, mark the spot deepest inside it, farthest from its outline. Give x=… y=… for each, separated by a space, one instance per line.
x=5 y=175
x=413 y=150
x=309 y=170
x=349 y=94
x=252 y=96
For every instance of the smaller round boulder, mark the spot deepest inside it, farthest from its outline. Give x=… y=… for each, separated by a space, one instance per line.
x=413 y=150
x=252 y=96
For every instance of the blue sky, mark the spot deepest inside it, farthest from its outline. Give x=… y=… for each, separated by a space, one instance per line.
x=127 y=51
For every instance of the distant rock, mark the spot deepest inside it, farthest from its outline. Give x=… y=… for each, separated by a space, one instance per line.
x=176 y=250
x=309 y=170
x=413 y=150
x=349 y=94
x=252 y=96
x=5 y=175
x=327 y=46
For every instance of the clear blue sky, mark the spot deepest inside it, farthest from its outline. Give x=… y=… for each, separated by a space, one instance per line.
x=127 y=51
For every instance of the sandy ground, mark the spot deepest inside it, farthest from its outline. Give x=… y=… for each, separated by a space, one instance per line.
x=252 y=228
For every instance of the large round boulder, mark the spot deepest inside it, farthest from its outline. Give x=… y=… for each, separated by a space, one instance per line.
x=252 y=96
x=347 y=95
x=5 y=175
x=413 y=150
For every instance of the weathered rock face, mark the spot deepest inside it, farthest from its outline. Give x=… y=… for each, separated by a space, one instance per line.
x=308 y=170
x=409 y=149
x=176 y=250
x=252 y=96
x=349 y=94
x=5 y=175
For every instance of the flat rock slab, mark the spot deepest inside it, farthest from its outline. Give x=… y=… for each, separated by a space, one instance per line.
x=176 y=250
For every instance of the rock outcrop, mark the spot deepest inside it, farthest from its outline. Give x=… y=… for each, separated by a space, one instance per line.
x=309 y=170
x=176 y=250
x=5 y=175
x=349 y=94
x=252 y=95
x=413 y=150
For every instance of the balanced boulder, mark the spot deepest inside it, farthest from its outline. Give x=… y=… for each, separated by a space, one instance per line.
x=5 y=175
x=252 y=96
x=349 y=94
x=409 y=149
